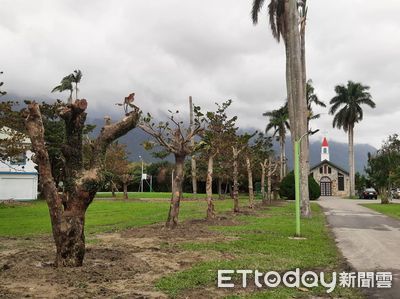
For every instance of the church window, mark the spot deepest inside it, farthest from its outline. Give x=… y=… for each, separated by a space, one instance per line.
x=341 y=182
x=320 y=170
x=325 y=150
x=329 y=170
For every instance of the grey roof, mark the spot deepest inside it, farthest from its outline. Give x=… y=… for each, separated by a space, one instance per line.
x=331 y=164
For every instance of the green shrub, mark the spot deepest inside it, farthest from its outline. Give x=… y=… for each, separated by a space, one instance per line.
x=286 y=188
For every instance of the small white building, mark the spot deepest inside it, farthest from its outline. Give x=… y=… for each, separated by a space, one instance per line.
x=333 y=180
x=18 y=175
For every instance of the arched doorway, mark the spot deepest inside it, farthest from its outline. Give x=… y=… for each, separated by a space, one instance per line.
x=326 y=186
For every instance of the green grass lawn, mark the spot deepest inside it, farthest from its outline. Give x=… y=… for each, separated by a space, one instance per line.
x=138 y=195
x=264 y=243
x=261 y=241
x=102 y=215
x=392 y=209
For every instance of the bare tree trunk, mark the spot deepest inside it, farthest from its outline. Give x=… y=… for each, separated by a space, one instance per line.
x=172 y=220
x=351 y=160
x=193 y=159
x=67 y=211
x=384 y=196
x=220 y=196
x=250 y=183
x=125 y=190
x=210 y=204
x=235 y=181
x=263 y=164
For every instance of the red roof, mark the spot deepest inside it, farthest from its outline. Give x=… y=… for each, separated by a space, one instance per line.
x=325 y=142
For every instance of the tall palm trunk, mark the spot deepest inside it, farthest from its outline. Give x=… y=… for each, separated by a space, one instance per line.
x=172 y=220
x=296 y=97
x=210 y=204
x=250 y=183
x=304 y=153
x=351 y=160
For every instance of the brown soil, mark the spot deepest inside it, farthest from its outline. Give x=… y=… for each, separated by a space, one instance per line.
x=117 y=265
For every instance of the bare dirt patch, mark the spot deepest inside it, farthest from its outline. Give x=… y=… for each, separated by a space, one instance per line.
x=124 y=265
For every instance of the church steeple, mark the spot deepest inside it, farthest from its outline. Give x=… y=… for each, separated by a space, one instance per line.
x=325 y=150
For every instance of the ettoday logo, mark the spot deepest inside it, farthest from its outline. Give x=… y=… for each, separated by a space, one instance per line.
x=308 y=279
x=272 y=279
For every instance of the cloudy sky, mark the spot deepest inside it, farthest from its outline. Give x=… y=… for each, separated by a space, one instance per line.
x=166 y=50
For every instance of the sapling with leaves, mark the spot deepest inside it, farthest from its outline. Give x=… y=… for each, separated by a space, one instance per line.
x=219 y=131
x=239 y=145
x=172 y=137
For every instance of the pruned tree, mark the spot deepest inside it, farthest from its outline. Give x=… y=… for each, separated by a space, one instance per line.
x=239 y=144
x=67 y=210
x=262 y=153
x=193 y=157
x=173 y=138
x=220 y=130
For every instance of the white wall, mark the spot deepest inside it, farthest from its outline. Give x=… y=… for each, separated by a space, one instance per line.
x=18 y=186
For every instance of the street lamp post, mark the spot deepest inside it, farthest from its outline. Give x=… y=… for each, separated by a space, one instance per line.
x=297 y=178
x=141 y=177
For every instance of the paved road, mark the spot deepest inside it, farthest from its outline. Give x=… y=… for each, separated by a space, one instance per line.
x=368 y=240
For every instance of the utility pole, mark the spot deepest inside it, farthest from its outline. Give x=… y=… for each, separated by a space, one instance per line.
x=141 y=177
x=193 y=160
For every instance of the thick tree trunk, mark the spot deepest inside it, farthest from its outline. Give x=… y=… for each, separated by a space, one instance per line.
x=193 y=159
x=263 y=164
x=235 y=192
x=172 y=220
x=351 y=161
x=250 y=183
x=67 y=211
x=209 y=199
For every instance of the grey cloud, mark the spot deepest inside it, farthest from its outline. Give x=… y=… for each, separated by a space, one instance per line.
x=167 y=50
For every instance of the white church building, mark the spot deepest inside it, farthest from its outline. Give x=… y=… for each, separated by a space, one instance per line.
x=18 y=175
x=333 y=180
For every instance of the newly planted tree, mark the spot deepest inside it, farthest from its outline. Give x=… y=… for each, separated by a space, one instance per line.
x=174 y=138
x=217 y=135
x=67 y=210
x=346 y=106
x=239 y=145
x=263 y=156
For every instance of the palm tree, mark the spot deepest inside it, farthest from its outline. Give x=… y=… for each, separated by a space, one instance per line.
x=284 y=20
x=278 y=121
x=346 y=106
x=76 y=77
x=312 y=98
x=65 y=84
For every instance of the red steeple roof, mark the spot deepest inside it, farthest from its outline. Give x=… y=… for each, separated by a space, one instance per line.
x=325 y=142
